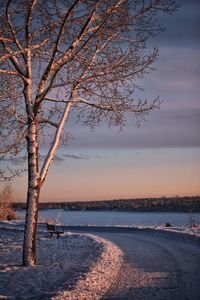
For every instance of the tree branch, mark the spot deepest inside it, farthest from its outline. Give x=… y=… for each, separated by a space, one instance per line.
x=13 y=59
x=49 y=67
x=142 y=106
x=57 y=65
x=10 y=26
x=12 y=54
x=55 y=143
x=28 y=21
x=55 y=100
x=10 y=72
x=44 y=121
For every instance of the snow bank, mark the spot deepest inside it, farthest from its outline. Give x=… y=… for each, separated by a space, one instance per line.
x=100 y=277
x=75 y=266
x=190 y=231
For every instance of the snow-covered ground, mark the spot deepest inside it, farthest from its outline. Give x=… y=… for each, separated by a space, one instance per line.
x=195 y=231
x=75 y=266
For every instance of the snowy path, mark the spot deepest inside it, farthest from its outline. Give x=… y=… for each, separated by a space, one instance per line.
x=156 y=266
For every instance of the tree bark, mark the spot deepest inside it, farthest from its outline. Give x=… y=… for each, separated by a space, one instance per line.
x=30 y=233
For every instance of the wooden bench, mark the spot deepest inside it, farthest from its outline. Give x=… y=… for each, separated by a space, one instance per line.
x=55 y=229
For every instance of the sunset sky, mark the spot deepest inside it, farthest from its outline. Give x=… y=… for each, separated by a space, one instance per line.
x=162 y=157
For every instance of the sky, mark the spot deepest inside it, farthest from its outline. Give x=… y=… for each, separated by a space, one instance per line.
x=162 y=157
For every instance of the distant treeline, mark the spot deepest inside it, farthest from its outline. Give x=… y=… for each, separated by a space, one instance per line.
x=176 y=204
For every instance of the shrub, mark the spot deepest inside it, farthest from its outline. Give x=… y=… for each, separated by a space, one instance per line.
x=6 y=198
x=168 y=224
x=192 y=221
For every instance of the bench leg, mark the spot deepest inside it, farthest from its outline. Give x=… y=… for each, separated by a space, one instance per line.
x=51 y=234
x=58 y=235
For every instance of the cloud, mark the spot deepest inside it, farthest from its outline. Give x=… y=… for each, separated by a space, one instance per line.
x=58 y=159
x=100 y=156
x=182 y=28
x=165 y=128
x=16 y=161
x=176 y=79
x=73 y=156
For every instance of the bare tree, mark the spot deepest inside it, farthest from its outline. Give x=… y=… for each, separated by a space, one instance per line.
x=59 y=56
x=6 y=198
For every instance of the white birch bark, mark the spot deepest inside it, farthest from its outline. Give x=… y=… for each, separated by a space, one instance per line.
x=55 y=144
x=29 y=248
x=30 y=232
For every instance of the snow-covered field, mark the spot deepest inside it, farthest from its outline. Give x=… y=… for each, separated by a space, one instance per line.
x=75 y=266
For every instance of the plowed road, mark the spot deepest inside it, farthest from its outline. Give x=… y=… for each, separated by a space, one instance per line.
x=156 y=266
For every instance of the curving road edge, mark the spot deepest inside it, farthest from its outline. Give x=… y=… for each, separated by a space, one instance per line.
x=101 y=276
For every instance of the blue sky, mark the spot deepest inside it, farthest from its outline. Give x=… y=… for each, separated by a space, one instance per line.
x=162 y=157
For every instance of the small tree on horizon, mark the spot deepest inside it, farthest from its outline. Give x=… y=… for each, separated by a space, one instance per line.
x=6 y=199
x=61 y=56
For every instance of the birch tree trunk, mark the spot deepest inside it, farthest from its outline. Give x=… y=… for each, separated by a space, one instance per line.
x=30 y=233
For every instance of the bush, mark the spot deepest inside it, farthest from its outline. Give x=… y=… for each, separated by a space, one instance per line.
x=6 y=198
x=192 y=221
x=168 y=224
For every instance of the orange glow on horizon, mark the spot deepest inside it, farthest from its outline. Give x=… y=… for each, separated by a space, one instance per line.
x=131 y=176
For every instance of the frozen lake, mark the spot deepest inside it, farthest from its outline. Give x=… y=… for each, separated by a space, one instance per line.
x=68 y=217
